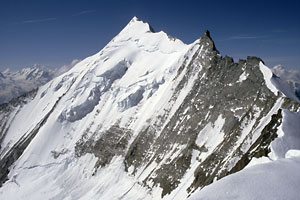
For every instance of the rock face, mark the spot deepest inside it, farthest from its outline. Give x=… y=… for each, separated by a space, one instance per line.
x=148 y=117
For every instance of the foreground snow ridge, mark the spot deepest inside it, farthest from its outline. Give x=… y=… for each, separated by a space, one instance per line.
x=149 y=117
x=276 y=180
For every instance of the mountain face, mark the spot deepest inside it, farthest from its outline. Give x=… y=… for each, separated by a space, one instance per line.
x=148 y=117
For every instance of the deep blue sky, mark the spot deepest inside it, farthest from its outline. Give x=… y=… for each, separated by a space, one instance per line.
x=54 y=32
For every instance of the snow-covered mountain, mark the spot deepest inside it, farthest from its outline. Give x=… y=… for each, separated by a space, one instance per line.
x=148 y=117
x=287 y=74
x=289 y=81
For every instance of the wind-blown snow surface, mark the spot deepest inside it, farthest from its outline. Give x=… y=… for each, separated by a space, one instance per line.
x=139 y=85
x=276 y=180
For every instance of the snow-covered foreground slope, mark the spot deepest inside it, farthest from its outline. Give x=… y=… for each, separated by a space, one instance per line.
x=148 y=117
x=276 y=180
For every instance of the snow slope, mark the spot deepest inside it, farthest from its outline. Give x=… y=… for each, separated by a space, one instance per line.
x=276 y=180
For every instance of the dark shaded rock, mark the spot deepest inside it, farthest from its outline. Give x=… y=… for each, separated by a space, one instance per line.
x=111 y=143
x=206 y=38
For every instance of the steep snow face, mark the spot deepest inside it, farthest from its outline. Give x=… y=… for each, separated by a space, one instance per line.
x=130 y=74
x=268 y=76
x=129 y=69
x=147 y=117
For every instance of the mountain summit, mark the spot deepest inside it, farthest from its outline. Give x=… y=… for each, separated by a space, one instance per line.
x=147 y=117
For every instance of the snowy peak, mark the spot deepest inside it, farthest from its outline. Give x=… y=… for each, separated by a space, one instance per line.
x=141 y=32
x=134 y=19
x=137 y=20
x=287 y=81
x=136 y=27
x=16 y=83
x=287 y=74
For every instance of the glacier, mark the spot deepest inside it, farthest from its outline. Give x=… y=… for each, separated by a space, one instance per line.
x=147 y=117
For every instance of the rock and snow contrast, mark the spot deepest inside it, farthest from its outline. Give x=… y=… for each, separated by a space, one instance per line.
x=149 y=117
x=273 y=177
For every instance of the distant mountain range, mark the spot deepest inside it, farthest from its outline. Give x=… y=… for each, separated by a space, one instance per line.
x=16 y=83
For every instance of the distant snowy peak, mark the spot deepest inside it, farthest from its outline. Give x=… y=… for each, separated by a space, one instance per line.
x=14 y=84
x=28 y=73
x=286 y=74
x=37 y=73
x=287 y=81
